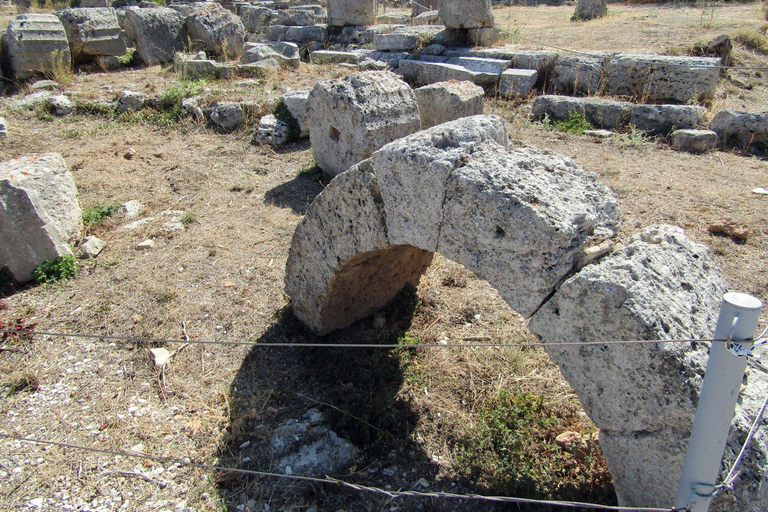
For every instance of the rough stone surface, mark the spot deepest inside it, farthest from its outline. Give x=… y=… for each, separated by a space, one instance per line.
x=309 y=447
x=3 y=128
x=296 y=17
x=255 y=18
x=421 y=72
x=262 y=69
x=227 y=116
x=485 y=36
x=288 y=57
x=297 y=104
x=159 y=33
x=130 y=100
x=401 y=41
x=60 y=105
x=90 y=247
x=192 y=67
x=352 y=117
x=466 y=13
x=35 y=44
x=446 y=101
x=744 y=130
x=519 y=220
x=216 y=31
x=271 y=131
x=694 y=141
x=612 y=115
x=314 y=33
x=662 y=78
x=92 y=32
x=516 y=83
x=577 y=74
x=590 y=9
x=334 y=57
x=343 y=13
x=642 y=397
x=40 y=215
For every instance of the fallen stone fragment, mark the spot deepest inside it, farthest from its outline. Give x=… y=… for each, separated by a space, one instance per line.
x=599 y=134
x=146 y=245
x=694 y=141
x=743 y=130
x=760 y=190
x=516 y=83
x=92 y=32
x=90 y=247
x=60 y=105
x=40 y=216
x=342 y=13
x=130 y=101
x=216 y=31
x=446 y=101
x=271 y=131
x=161 y=355
x=35 y=44
x=727 y=227
x=3 y=128
x=226 y=115
x=159 y=33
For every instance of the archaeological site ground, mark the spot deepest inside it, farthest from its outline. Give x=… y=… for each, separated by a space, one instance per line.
x=247 y=243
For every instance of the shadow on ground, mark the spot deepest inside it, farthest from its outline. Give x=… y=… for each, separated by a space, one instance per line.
x=296 y=194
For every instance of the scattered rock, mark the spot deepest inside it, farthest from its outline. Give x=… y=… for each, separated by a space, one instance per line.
x=3 y=128
x=130 y=101
x=129 y=154
x=516 y=83
x=694 y=141
x=589 y=9
x=90 y=247
x=35 y=224
x=45 y=85
x=60 y=105
x=227 y=116
x=743 y=130
x=726 y=227
x=599 y=134
x=297 y=104
x=760 y=190
x=146 y=245
x=271 y=131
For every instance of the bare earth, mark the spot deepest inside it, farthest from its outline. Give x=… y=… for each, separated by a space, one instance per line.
x=220 y=278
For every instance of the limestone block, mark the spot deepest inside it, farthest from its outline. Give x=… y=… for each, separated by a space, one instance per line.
x=342 y=13
x=92 y=32
x=602 y=113
x=60 y=105
x=255 y=52
x=485 y=36
x=662 y=78
x=297 y=34
x=745 y=130
x=516 y=83
x=90 y=247
x=227 y=116
x=578 y=74
x=694 y=141
x=334 y=57
x=131 y=100
x=256 y=18
x=423 y=72
x=40 y=215
x=446 y=101
x=352 y=117
x=193 y=68
x=662 y=119
x=481 y=64
x=466 y=13
x=297 y=104
x=159 y=33
x=427 y=18
x=392 y=18
x=216 y=31
x=402 y=41
x=422 y=7
x=590 y=9
x=262 y=69
x=35 y=44
x=296 y=17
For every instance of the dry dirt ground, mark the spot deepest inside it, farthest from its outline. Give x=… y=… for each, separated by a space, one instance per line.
x=416 y=414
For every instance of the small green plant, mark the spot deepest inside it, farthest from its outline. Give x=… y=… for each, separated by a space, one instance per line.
x=282 y=113
x=633 y=138
x=576 y=124
x=60 y=69
x=96 y=214
x=315 y=173
x=55 y=270
x=187 y=219
x=25 y=381
x=169 y=111
x=129 y=59
x=753 y=40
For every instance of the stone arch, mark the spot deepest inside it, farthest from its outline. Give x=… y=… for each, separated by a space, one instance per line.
x=527 y=221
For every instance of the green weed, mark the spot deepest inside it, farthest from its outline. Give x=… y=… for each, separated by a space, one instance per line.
x=315 y=173
x=96 y=214
x=55 y=270
x=576 y=124
x=131 y=58
x=187 y=219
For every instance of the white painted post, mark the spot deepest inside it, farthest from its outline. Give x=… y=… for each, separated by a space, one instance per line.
x=738 y=318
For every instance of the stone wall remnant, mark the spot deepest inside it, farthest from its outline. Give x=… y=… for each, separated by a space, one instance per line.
x=92 y=32
x=35 y=44
x=352 y=117
x=343 y=13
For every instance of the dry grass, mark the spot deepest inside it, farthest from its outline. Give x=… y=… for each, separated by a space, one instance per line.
x=220 y=278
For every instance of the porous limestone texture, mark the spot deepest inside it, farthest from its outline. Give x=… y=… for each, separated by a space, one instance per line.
x=446 y=101
x=256 y=52
x=216 y=31
x=297 y=103
x=342 y=13
x=520 y=220
x=694 y=141
x=578 y=74
x=661 y=286
x=466 y=13
x=159 y=33
x=516 y=83
x=92 y=32
x=352 y=117
x=613 y=115
x=40 y=215
x=256 y=18
x=744 y=130
x=427 y=73
x=35 y=44
x=314 y=33
x=590 y=9
x=662 y=78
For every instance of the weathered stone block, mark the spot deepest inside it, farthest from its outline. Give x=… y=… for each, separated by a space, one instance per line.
x=446 y=101
x=744 y=130
x=402 y=41
x=297 y=34
x=159 y=33
x=466 y=13
x=297 y=104
x=422 y=72
x=255 y=52
x=662 y=78
x=296 y=17
x=590 y=9
x=352 y=117
x=255 y=18
x=92 y=32
x=662 y=119
x=342 y=13
x=35 y=44
x=334 y=57
x=578 y=74
x=516 y=83
x=216 y=31
x=40 y=215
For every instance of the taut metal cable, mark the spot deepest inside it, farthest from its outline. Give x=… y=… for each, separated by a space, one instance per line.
x=334 y=481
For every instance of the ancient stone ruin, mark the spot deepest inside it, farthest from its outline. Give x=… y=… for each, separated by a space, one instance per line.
x=536 y=227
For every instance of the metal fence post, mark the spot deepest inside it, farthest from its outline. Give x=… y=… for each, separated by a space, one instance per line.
x=738 y=318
